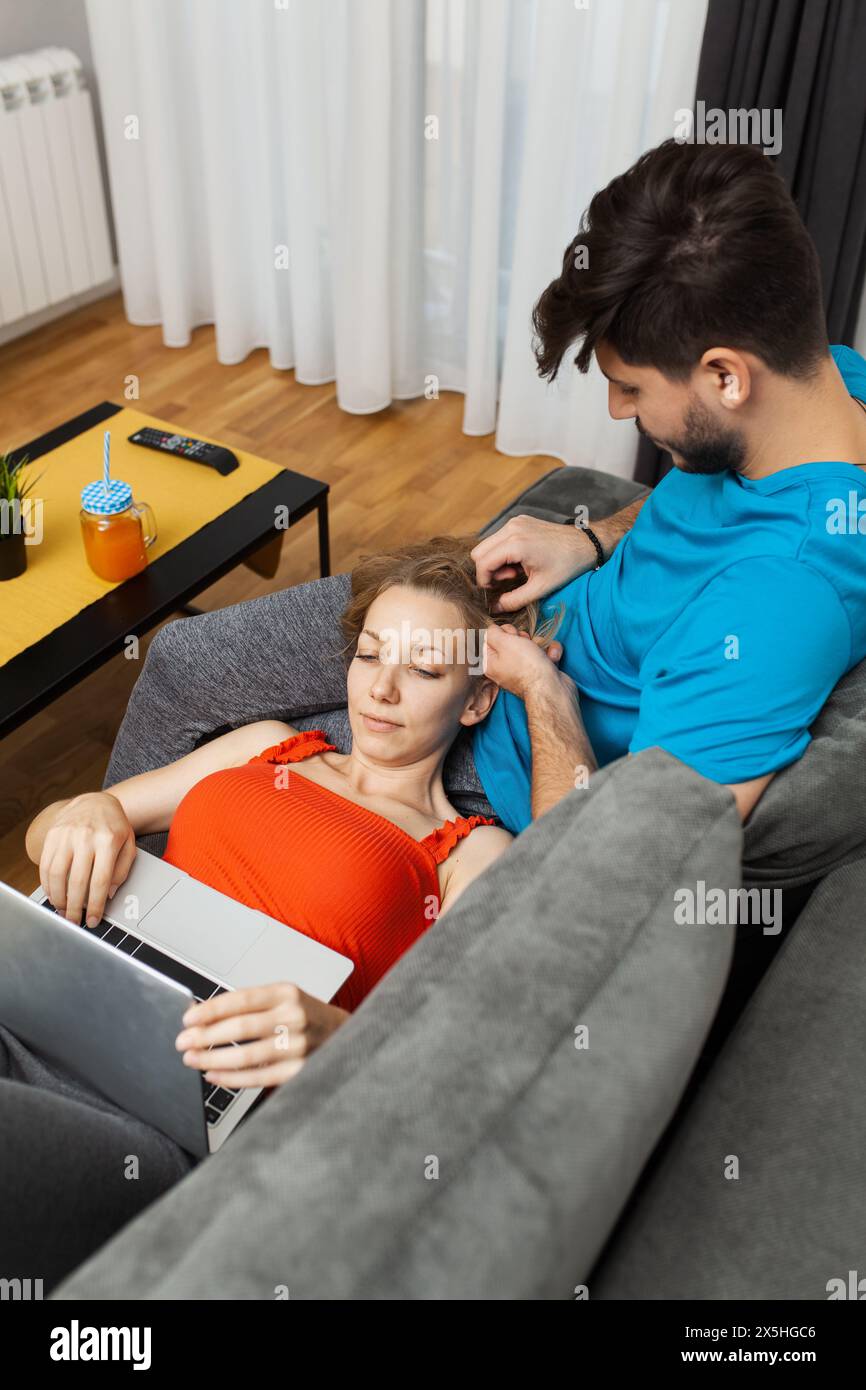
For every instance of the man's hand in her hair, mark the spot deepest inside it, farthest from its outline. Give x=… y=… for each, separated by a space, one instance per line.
x=549 y=554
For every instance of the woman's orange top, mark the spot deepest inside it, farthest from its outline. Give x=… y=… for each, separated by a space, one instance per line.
x=309 y=857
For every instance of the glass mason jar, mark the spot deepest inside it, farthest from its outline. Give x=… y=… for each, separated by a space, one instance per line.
x=117 y=531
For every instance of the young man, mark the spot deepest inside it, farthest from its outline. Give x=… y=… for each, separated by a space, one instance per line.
x=733 y=599
x=730 y=601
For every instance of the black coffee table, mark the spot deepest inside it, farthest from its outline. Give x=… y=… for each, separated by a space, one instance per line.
x=58 y=661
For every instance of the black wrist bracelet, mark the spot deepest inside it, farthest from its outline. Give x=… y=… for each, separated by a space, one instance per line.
x=582 y=526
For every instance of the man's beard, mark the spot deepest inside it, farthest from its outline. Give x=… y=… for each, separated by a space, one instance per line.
x=703 y=448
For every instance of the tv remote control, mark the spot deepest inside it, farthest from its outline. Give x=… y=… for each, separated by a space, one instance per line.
x=211 y=455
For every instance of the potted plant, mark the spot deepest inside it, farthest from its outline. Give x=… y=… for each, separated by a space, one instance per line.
x=13 y=555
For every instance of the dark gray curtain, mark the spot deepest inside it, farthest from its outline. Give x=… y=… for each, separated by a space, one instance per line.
x=808 y=58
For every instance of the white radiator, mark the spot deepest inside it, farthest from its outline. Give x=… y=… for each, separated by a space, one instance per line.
x=54 y=238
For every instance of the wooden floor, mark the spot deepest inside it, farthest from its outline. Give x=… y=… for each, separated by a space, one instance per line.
x=403 y=473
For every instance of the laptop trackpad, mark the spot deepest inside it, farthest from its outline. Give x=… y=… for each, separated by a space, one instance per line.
x=195 y=921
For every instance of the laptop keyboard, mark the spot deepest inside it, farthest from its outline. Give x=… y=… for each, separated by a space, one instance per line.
x=217 y=1099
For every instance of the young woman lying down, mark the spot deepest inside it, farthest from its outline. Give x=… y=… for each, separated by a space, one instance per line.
x=362 y=850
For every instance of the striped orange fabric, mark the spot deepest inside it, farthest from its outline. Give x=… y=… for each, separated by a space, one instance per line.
x=305 y=855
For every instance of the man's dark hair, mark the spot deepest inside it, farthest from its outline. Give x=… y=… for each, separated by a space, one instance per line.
x=694 y=246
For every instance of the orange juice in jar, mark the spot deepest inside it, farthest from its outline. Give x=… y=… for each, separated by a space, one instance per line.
x=115 y=539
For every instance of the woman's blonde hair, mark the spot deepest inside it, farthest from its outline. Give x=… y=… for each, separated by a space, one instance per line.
x=440 y=566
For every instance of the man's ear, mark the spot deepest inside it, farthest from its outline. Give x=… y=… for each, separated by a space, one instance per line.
x=730 y=369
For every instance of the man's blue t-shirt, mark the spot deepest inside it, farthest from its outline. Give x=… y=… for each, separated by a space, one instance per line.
x=716 y=630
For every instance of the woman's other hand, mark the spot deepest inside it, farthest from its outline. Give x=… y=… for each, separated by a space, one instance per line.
x=275 y=1026
x=87 y=852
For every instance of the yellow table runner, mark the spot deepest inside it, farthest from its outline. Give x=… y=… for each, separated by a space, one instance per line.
x=185 y=496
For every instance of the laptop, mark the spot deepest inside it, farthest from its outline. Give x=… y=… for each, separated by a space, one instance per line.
x=107 y=1002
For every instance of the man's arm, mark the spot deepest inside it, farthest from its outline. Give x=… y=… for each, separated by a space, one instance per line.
x=733 y=685
x=560 y=747
x=559 y=743
x=611 y=529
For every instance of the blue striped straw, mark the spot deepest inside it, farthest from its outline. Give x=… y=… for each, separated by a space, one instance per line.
x=106 y=451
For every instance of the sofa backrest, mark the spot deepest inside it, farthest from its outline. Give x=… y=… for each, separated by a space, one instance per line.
x=812 y=817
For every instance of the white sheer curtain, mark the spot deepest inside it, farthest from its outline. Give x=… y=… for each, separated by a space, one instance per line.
x=377 y=191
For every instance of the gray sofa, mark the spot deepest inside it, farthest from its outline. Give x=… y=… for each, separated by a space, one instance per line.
x=560 y=1092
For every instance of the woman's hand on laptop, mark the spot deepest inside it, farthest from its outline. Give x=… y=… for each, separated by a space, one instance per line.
x=549 y=555
x=275 y=1027
x=87 y=852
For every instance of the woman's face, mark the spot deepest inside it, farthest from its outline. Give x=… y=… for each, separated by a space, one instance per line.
x=410 y=686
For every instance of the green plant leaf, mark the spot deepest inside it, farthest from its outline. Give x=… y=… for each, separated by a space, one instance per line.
x=10 y=479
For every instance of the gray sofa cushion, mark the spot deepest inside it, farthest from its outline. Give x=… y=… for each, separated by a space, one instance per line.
x=555 y=496
x=465 y=1056
x=786 y=1097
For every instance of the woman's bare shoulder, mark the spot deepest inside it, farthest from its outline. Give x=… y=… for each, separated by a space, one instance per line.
x=485 y=844
x=248 y=740
x=470 y=857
